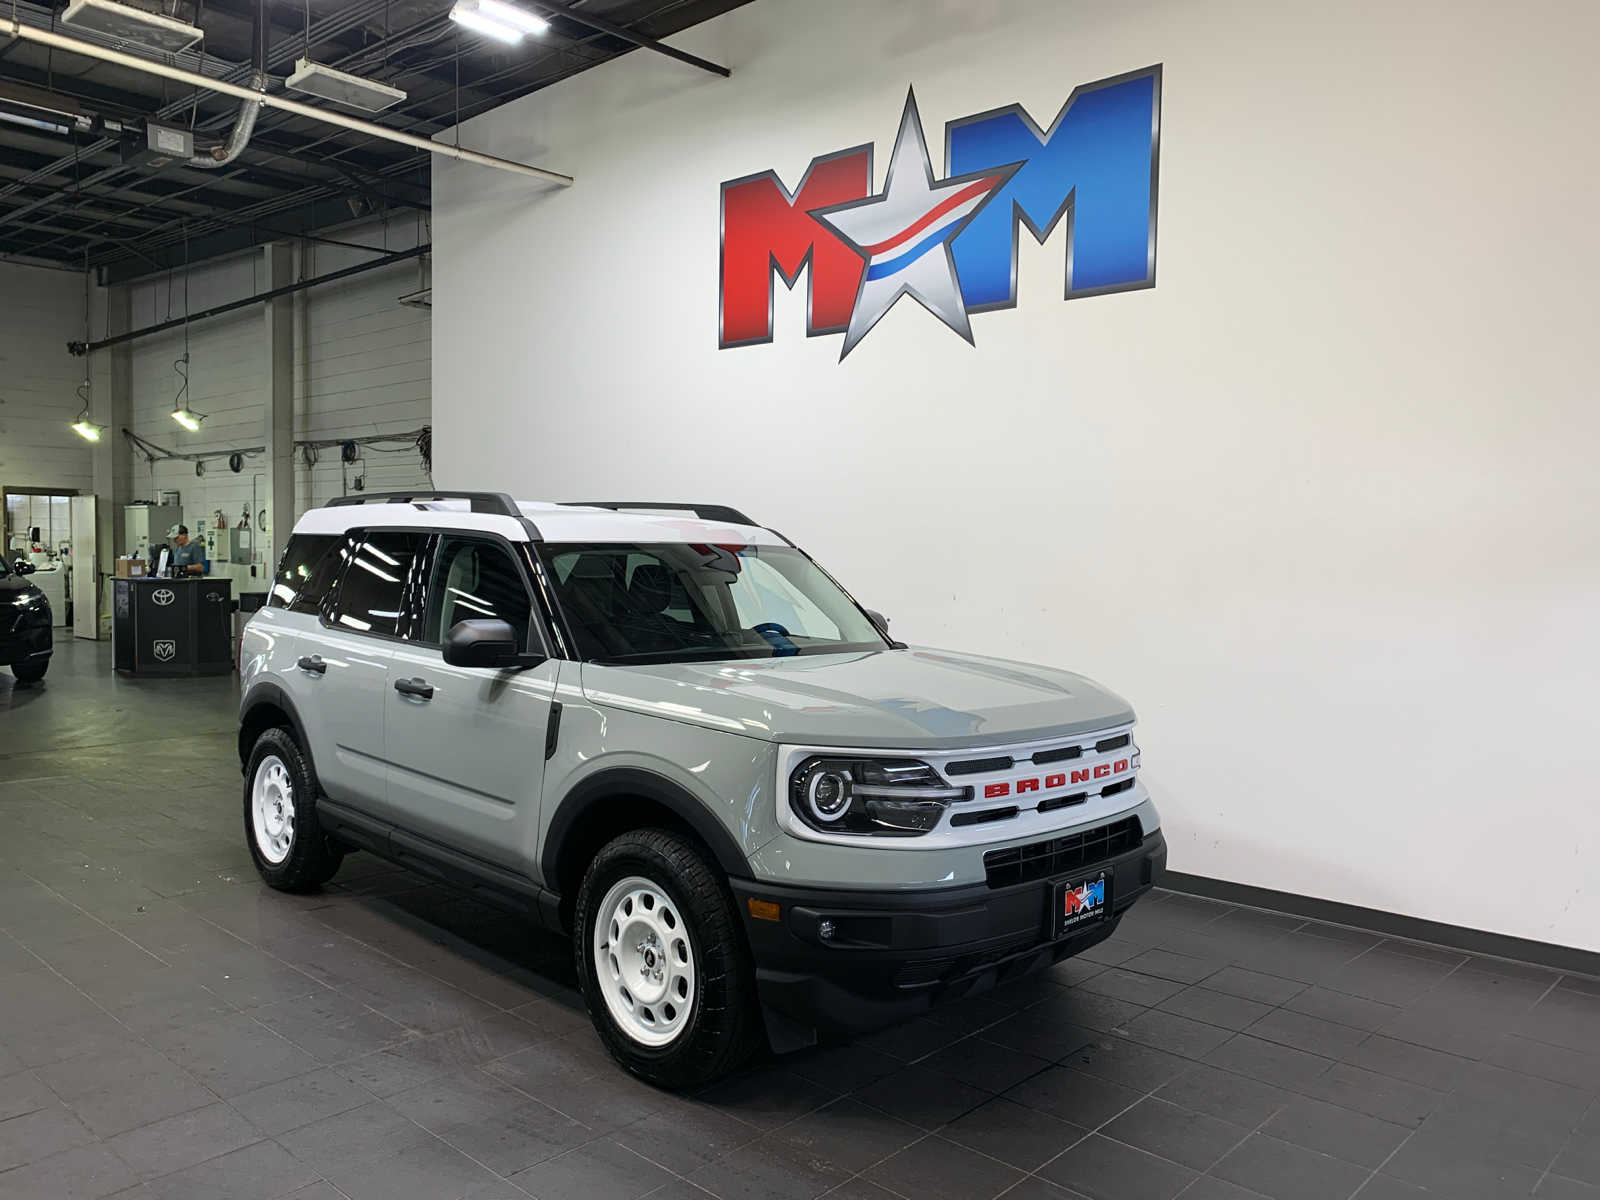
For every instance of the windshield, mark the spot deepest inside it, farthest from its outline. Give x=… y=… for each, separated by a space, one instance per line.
x=664 y=602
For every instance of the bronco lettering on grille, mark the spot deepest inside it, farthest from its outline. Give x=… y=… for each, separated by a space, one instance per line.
x=992 y=791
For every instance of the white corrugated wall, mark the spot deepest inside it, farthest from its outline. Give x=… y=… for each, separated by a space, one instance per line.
x=40 y=311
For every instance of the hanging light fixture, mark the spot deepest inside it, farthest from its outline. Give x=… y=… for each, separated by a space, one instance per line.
x=83 y=427
x=181 y=412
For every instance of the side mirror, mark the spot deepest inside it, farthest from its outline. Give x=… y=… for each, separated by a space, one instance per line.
x=23 y=567
x=485 y=643
x=878 y=619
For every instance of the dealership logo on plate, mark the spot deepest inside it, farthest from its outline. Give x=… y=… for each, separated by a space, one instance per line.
x=950 y=243
x=164 y=651
x=163 y=596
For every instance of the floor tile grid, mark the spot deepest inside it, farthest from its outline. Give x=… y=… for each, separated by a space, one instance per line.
x=1555 y=981
x=139 y=1038
x=1592 y=1111
x=1039 y=1172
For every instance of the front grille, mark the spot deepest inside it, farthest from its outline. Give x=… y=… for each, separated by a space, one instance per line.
x=1041 y=860
x=979 y=766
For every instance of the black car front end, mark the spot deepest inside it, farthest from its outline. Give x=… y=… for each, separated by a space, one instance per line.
x=25 y=621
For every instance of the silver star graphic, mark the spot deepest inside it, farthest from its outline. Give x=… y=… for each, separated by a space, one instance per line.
x=904 y=233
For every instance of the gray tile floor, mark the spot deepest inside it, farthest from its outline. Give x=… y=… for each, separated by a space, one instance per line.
x=170 y=1028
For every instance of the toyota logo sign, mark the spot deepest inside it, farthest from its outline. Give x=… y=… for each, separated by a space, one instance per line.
x=163 y=596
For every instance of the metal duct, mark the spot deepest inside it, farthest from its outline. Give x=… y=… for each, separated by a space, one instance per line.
x=244 y=125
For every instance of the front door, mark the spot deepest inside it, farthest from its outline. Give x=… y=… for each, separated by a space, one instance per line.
x=466 y=744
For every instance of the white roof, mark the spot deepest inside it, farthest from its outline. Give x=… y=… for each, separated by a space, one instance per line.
x=555 y=522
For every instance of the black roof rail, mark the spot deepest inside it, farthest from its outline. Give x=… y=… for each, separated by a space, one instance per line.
x=493 y=503
x=706 y=512
x=497 y=503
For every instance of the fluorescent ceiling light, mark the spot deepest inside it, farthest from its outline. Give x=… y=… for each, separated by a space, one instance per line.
x=510 y=14
x=188 y=418
x=468 y=16
x=129 y=24
x=317 y=80
x=88 y=430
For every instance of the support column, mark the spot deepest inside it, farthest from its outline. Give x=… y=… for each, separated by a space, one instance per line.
x=111 y=404
x=280 y=408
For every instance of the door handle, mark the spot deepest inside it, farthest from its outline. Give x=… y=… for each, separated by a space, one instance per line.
x=313 y=664
x=420 y=688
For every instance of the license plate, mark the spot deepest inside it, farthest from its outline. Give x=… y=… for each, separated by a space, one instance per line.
x=1081 y=902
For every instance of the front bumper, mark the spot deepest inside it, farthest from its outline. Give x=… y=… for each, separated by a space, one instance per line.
x=23 y=644
x=893 y=955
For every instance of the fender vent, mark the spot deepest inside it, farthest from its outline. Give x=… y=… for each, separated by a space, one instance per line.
x=1041 y=860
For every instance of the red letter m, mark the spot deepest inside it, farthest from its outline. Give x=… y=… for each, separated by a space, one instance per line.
x=765 y=228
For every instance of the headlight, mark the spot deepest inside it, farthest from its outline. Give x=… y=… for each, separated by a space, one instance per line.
x=893 y=797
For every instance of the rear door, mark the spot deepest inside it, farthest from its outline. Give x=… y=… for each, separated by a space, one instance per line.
x=466 y=744
x=343 y=662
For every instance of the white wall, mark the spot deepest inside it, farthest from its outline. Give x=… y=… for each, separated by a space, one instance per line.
x=362 y=368
x=40 y=311
x=1321 y=503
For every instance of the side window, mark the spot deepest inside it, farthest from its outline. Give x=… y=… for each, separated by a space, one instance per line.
x=306 y=571
x=475 y=579
x=381 y=582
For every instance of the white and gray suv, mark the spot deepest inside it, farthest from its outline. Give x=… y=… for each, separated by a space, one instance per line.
x=664 y=729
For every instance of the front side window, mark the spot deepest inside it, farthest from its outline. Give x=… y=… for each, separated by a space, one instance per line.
x=381 y=581
x=475 y=580
x=671 y=602
x=307 y=570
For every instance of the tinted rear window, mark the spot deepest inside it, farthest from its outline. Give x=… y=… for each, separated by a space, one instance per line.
x=305 y=573
x=381 y=582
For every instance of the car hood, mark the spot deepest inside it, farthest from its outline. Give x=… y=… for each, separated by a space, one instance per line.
x=893 y=699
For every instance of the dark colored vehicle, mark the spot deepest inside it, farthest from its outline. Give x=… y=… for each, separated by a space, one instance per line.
x=25 y=638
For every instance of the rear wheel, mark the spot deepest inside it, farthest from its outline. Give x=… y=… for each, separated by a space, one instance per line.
x=31 y=671
x=280 y=816
x=665 y=974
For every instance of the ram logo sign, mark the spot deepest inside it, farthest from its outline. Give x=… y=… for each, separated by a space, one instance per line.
x=164 y=651
x=950 y=243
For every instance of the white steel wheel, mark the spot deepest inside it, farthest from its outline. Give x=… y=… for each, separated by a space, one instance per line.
x=644 y=961
x=272 y=809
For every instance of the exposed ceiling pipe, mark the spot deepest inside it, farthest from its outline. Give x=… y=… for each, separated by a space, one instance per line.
x=245 y=123
x=45 y=37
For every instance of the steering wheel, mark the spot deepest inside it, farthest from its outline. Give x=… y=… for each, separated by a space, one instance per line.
x=770 y=627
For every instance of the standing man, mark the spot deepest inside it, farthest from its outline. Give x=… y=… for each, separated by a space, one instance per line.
x=188 y=558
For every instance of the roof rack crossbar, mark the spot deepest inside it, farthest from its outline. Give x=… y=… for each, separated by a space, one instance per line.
x=496 y=503
x=706 y=512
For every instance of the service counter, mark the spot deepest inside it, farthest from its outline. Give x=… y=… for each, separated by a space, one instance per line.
x=172 y=626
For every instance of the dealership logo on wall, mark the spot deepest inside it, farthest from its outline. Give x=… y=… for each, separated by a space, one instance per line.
x=950 y=243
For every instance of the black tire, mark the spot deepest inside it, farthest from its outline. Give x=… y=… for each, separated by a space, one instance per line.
x=31 y=671
x=312 y=857
x=723 y=1027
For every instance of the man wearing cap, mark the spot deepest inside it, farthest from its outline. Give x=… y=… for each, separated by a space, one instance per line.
x=188 y=558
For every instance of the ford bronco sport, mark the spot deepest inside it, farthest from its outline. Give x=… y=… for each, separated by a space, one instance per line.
x=666 y=730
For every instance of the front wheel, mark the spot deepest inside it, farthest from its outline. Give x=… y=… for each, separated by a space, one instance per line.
x=665 y=973
x=31 y=671
x=280 y=816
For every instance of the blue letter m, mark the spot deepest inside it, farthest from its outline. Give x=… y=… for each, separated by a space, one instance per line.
x=1096 y=164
